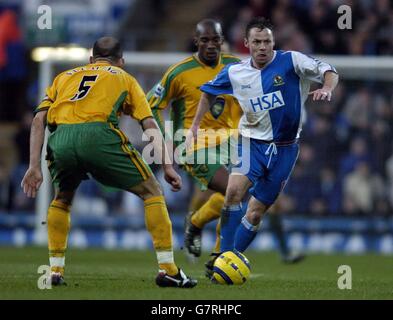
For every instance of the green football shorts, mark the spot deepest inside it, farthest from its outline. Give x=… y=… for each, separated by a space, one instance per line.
x=96 y=149
x=203 y=163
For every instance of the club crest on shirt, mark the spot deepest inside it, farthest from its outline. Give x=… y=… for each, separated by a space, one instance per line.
x=159 y=91
x=217 y=107
x=278 y=81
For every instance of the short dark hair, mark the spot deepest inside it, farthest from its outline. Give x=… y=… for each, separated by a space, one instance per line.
x=107 y=47
x=260 y=23
x=208 y=23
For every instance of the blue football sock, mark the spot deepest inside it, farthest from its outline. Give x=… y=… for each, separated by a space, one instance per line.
x=244 y=206
x=230 y=220
x=245 y=234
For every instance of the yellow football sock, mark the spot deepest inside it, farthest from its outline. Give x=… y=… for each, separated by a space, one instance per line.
x=198 y=199
x=195 y=203
x=160 y=227
x=209 y=211
x=58 y=228
x=218 y=240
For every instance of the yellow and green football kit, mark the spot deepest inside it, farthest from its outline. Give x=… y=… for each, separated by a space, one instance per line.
x=84 y=105
x=179 y=88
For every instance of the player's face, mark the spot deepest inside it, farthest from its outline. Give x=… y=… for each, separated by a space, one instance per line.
x=209 y=46
x=260 y=43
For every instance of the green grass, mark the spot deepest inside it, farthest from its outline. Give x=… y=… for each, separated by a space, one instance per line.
x=103 y=274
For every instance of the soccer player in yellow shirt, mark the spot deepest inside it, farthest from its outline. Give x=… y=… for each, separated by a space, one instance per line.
x=81 y=109
x=179 y=88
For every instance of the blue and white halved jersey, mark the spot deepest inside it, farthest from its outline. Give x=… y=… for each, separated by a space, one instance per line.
x=273 y=98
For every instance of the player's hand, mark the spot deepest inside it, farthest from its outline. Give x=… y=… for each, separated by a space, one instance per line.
x=321 y=94
x=31 y=182
x=191 y=138
x=172 y=178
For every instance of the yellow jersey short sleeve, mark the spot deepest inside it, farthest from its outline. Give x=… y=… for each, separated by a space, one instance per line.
x=136 y=103
x=49 y=98
x=167 y=90
x=162 y=94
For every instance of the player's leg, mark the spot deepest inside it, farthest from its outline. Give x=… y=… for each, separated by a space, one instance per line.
x=66 y=174
x=116 y=163
x=216 y=249
x=199 y=198
x=217 y=244
x=278 y=230
x=157 y=222
x=217 y=179
x=231 y=215
x=242 y=177
x=250 y=224
x=264 y=194
x=159 y=226
x=195 y=221
x=214 y=177
x=216 y=252
x=246 y=232
x=211 y=210
x=238 y=230
x=58 y=224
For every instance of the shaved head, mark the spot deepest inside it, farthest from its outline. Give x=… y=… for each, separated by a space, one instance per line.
x=107 y=47
x=208 y=24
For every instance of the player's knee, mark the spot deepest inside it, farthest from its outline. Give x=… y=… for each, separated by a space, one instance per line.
x=65 y=197
x=254 y=216
x=233 y=196
x=255 y=211
x=219 y=182
x=151 y=189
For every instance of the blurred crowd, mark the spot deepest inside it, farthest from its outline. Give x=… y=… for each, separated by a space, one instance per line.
x=311 y=26
x=345 y=165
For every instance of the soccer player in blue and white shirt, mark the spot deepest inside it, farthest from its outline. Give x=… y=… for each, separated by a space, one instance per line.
x=271 y=87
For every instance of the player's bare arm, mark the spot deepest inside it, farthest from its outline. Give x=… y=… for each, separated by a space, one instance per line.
x=168 y=142
x=33 y=176
x=329 y=83
x=203 y=106
x=170 y=174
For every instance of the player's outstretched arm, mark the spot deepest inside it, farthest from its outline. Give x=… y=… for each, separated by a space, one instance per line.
x=330 y=82
x=204 y=104
x=159 y=144
x=33 y=177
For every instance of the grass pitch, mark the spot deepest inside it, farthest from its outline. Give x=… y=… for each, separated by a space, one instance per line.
x=104 y=274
